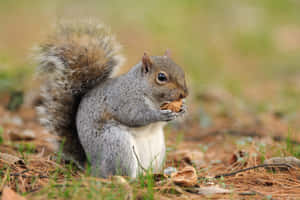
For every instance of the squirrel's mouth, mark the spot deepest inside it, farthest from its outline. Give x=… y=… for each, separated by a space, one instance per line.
x=177 y=100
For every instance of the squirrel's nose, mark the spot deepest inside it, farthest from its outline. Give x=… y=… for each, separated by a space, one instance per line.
x=186 y=92
x=183 y=94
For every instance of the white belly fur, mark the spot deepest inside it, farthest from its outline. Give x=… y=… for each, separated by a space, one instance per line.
x=149 y=145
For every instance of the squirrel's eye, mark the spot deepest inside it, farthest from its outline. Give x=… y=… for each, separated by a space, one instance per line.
x=162 y=77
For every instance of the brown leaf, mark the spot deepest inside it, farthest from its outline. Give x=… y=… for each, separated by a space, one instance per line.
x=185 y=177
x=236 y=156
x=9 y=194
x=187 y=156
x=11 y=160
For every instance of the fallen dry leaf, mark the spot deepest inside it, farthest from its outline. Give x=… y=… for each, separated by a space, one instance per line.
x=213 y=190
x=185 y=177
x=187 y=156
x=10 y=159
x=9 y=194
x=237 y=156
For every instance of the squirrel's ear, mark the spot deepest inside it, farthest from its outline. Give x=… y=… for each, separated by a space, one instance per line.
x=168 y=53
x=146 y=62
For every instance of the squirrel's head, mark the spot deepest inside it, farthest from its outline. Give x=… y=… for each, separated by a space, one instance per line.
x=166 y=78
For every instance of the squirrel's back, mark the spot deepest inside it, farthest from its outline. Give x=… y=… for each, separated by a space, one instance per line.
x=76 y=58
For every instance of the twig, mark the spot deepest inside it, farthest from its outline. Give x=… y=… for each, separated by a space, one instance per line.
x=253 y=192
x=24 y=175
x=254 y=167
x=262 y=195
x=138 y=160
x=20 y=173
x=248 y=193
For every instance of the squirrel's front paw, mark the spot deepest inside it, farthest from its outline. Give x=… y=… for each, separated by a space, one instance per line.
x=168 y=115
x=183 y=107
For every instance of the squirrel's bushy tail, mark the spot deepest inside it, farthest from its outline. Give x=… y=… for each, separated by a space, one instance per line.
x=73 y=60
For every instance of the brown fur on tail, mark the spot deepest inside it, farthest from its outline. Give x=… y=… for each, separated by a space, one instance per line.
x=73 y=60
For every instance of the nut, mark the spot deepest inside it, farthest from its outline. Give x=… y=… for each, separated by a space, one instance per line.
x=174 y=106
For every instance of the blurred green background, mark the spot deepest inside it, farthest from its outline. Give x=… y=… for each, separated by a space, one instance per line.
x=250 y=48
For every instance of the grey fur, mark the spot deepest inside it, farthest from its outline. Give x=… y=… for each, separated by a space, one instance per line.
x=107 y=140
x=73 y=60
x=103 y=118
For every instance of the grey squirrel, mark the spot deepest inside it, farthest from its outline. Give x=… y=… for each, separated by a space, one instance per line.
x=114 y=122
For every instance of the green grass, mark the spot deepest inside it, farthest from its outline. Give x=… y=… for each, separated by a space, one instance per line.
x=26 y=148
x=84 y=187
x=290 y=147
x=1 y=135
